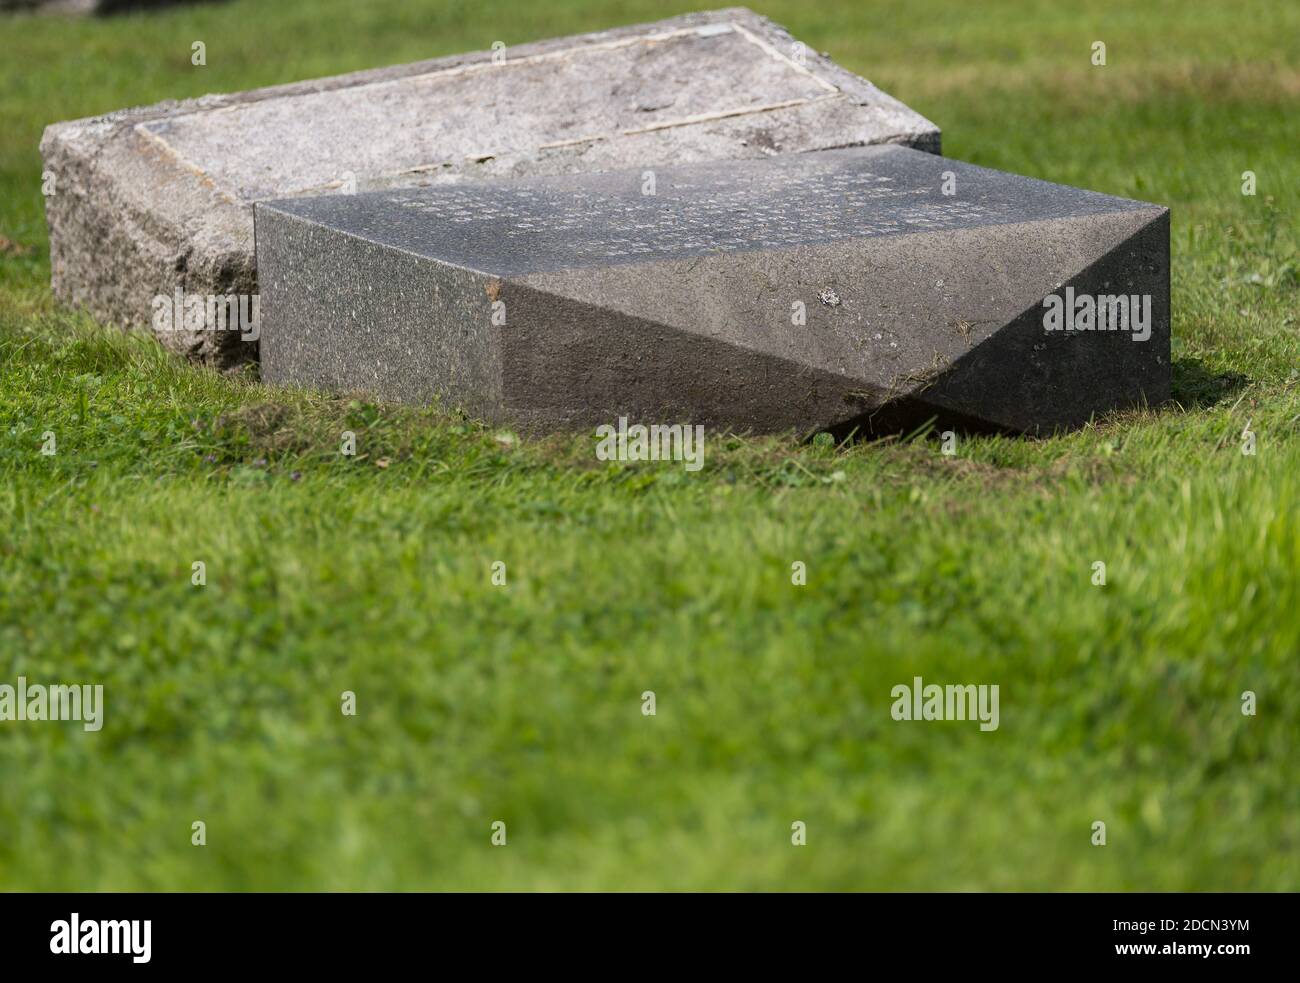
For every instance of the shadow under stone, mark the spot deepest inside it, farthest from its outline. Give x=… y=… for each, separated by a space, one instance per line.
x=1196 y=387
x=906 y=416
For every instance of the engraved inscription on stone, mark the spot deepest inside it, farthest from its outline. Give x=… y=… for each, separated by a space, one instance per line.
x=594 y=226
x=560 y=222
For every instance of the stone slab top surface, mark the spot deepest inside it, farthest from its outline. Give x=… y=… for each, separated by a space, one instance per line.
x=503 y=113
x=580 y=221
x=589 y=91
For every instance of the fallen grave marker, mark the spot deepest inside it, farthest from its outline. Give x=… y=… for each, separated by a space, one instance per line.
x=812 y=291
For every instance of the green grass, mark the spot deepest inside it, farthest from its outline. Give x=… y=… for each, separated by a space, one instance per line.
x=479 y=703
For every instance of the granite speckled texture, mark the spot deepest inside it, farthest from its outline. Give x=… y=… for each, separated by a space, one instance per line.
x=682 y=305
x=154 y=199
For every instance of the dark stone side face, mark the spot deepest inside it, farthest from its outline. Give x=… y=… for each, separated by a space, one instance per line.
x=816 y=291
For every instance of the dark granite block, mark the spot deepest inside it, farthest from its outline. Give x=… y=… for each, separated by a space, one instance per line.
x=569 y=301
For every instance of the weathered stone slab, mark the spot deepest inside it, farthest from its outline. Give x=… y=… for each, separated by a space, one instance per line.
x=869 y=287
x=153 y=200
